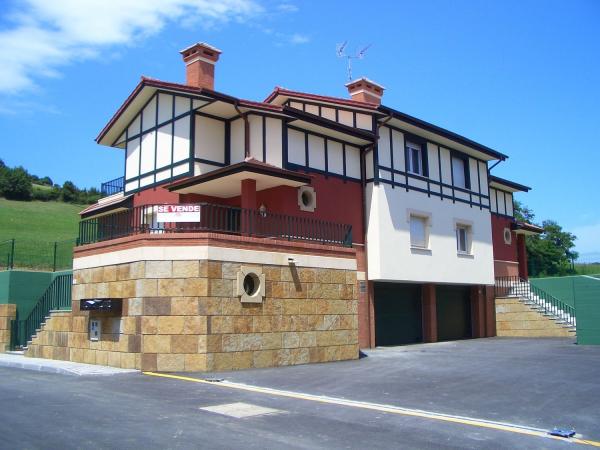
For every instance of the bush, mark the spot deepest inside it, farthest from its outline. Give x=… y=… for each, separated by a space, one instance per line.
x=15 y=184
x=45 y=194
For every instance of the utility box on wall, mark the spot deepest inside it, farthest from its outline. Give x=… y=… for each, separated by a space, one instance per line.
x=95 y=329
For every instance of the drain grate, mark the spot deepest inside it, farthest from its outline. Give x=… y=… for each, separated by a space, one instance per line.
x=240 y=410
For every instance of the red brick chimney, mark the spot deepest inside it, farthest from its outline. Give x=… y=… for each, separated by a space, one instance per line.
x=200 y=62
x=365 y=90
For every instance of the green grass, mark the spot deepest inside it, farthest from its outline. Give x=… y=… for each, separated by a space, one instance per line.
x=587 y=269
x=35 y=226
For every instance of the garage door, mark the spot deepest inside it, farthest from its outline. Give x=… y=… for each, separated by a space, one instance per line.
x=453 y=312
x=398 y=317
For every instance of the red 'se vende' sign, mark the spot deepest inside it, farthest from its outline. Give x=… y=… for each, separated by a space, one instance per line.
x=178 y=213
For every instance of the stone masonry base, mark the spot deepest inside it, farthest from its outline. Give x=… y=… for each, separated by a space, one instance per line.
x=185 y=316
x=516 y=319
x=7 y=313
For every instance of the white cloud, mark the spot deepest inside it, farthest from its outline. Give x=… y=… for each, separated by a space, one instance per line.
x=48 y=34
x=286 y=7
x=297 y=38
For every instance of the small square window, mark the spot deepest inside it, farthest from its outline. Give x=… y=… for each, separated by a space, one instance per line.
x=418 y=232
x=463 y=239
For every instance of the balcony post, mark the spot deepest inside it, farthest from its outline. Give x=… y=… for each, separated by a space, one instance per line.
x=248 y=203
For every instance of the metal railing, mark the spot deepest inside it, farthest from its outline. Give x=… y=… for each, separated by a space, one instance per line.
x=519 y=287
x=38 y=255
x=216 y=218
x=57 y=296
x=112 y=187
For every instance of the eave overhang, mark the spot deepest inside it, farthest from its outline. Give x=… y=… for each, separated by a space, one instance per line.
x=507 y=185
x=222 y=105
x=526 y=228
x=442 y=136
x=280 y=95
x=226 y=182
x=328 y=127
x=107 y=205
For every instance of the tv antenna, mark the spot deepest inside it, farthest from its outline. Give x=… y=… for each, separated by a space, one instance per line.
x=341 y=53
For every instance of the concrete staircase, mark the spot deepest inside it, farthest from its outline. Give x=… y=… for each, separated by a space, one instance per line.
x=518 y=317
x=50 y=340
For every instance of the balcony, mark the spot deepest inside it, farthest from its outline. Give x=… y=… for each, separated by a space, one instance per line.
x=112 y=187
x=217 y=219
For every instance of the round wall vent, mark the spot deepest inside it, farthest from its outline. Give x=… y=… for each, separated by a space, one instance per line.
x=250 y=285
x=307 y=198
x=507 y=236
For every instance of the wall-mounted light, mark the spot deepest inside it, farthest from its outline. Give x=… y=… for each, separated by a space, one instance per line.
x=262 y=210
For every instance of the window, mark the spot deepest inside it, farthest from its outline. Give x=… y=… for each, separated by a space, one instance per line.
x=418 y=232
x=463 y=239
x=413 y=158
x=460 y=173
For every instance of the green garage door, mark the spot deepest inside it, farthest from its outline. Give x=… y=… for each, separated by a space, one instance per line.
x=453 y=312
x=398 y=318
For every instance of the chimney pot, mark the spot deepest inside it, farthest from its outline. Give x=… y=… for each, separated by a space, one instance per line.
x=365 y=90
x=200 y=60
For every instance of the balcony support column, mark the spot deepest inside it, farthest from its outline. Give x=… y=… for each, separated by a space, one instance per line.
x=248 y=204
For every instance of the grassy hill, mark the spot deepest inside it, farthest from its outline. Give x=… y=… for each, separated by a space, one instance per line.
x=35 y=226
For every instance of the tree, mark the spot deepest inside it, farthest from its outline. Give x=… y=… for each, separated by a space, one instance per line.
x=15 y=184
x=47 y=181
x=69 y=192
x=550 y=253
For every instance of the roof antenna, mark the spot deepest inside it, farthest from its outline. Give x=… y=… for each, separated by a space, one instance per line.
x=341 y=53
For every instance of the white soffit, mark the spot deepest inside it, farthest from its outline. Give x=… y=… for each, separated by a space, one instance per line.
x=503 y=187
x=220 y=109
x=231 y=185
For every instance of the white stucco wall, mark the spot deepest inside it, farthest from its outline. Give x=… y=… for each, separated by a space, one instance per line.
x=390 y=256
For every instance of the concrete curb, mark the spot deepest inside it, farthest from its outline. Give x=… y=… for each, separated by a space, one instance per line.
x=60 y=367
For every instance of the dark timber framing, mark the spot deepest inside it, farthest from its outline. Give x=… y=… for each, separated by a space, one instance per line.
x=336 y=110
x=306 y=167
x=471 y=197
x=505 y=194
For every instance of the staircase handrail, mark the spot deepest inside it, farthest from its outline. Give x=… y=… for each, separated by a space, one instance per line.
x=56 y=296
x=520 y=287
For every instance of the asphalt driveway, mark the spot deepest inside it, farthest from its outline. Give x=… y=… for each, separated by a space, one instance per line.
x=535 y=382
x=532 y=383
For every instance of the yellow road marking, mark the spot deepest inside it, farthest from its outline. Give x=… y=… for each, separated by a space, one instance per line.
x=383 y=408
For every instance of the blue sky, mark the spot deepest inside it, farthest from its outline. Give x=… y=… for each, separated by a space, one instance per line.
x=522 y=77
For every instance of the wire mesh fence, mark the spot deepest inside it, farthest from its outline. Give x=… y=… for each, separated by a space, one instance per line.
x=37 y=255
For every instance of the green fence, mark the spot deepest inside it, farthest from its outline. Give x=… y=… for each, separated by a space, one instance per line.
x=583 y=293
x=56 y=296
x=38 y=255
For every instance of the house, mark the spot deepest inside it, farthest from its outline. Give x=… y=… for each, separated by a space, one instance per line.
x=293 y=230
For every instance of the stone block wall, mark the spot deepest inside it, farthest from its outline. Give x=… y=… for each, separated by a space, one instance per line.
x=7 y=313
x=185 y=316
x=516 y=319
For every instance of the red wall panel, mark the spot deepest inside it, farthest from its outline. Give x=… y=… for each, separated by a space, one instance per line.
x=503 y=251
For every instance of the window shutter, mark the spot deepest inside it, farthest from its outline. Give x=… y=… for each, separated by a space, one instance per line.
x=425 y=158
x=406 y=156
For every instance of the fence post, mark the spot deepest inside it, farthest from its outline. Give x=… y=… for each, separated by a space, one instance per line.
x=12 y=254
x=54 y=259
